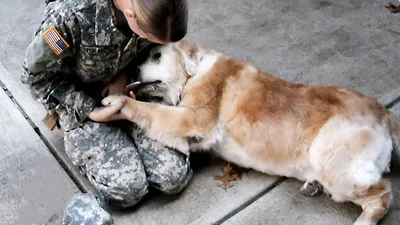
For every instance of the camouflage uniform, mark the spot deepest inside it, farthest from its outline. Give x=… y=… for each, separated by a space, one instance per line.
x=77 y=50
x=85 y=209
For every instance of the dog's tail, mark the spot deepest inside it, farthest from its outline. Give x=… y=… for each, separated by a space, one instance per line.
x=394 y=126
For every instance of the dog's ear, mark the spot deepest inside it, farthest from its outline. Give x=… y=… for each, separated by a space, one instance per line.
x=190 y=56
x=190 y=64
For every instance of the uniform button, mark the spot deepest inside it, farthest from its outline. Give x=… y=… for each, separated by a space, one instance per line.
x=75 y=4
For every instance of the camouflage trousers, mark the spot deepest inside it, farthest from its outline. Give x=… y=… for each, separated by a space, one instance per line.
x=122 y=162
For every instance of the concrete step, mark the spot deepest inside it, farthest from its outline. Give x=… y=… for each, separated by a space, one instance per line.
x=34 y=188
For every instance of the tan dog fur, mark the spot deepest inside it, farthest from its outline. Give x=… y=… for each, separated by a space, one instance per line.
x=338 y=137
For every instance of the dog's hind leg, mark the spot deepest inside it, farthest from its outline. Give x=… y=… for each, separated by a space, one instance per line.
x=350 y=158
x=375 y=201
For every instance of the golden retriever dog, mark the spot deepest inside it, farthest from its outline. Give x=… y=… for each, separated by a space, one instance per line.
x=337 y=137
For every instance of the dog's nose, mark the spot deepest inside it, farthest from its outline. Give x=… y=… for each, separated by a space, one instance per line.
x=136 y=71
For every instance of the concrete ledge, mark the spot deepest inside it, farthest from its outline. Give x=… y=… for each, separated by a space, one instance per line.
x=34 y=189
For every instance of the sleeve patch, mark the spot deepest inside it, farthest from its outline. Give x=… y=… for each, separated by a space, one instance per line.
x=55 y=40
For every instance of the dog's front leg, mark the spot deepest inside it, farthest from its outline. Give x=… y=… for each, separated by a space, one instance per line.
x=172 y=126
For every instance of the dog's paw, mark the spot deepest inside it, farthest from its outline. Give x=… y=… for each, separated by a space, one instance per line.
x=311 y=189
x=114 y=100
x=185 y=151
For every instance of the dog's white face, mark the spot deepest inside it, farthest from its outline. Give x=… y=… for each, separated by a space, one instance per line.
x=165 y=72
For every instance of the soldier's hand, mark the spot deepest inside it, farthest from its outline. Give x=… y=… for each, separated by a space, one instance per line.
x=109 y=113
x=116 y=87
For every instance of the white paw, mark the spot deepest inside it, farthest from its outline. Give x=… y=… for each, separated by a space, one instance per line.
x=185 y=151
x=311 y=189
x=183 y=147
x=114 y=100
x=363 y=222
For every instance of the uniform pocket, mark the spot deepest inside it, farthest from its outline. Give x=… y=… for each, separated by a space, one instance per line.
x=97 y=63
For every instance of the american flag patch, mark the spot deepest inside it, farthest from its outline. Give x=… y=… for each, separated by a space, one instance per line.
x=55 y=41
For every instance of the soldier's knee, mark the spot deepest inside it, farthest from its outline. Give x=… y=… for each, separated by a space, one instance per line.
x=124 y=195
x=176 y=180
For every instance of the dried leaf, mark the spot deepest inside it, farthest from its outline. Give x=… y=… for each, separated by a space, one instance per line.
x=228 y=176
x=393 y=8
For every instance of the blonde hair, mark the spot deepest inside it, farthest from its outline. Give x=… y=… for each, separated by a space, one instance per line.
x=165 y=20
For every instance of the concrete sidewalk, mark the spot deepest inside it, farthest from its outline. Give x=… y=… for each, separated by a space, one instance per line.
x=354 y=44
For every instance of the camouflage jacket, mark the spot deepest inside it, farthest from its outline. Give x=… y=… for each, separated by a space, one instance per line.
x=75 y=52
